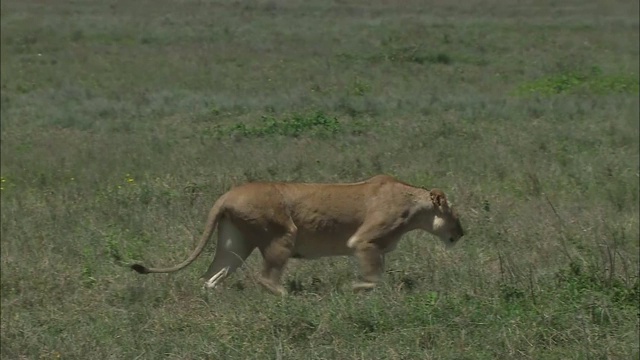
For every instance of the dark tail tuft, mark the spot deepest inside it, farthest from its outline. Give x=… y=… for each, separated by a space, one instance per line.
x=140 y=268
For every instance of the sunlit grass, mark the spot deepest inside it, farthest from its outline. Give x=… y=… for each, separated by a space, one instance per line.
x=122 y=123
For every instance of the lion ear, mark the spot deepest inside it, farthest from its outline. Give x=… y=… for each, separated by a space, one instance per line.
x=438 y=198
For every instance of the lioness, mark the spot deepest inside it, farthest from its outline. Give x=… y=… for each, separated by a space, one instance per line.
x=306 y=221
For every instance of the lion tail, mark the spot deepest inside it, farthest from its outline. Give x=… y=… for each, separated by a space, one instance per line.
x=212 y=222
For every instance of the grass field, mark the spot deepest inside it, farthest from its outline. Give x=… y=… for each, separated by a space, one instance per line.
x=123 y=121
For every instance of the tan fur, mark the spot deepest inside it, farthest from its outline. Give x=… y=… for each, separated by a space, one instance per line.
x=303 y=220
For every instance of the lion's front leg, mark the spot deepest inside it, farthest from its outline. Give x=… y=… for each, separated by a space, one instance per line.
x=273 y=268
x=371 y=260
x=276 y=255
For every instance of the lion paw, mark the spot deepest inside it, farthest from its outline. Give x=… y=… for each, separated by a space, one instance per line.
x=363 y=286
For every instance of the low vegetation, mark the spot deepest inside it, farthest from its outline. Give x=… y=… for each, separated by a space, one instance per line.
x=122 y=122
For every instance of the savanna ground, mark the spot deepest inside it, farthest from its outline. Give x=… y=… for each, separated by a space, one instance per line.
x=123 y=121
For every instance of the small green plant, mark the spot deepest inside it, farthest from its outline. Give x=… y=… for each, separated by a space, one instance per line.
x=360 y=88
x=438 y=58
x=511 y=293
x=313 y=124
x=87 y=277
x=113 y=248
x=592 y=81
x=580 y=280
x=417 y=55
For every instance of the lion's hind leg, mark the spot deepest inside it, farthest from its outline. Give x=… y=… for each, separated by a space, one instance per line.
x=231 y=252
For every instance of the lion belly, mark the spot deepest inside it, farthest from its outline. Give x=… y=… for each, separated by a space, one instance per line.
x=313 y=247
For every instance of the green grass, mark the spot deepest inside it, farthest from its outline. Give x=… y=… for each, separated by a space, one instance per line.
x=592 y=82
x=122 y=122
